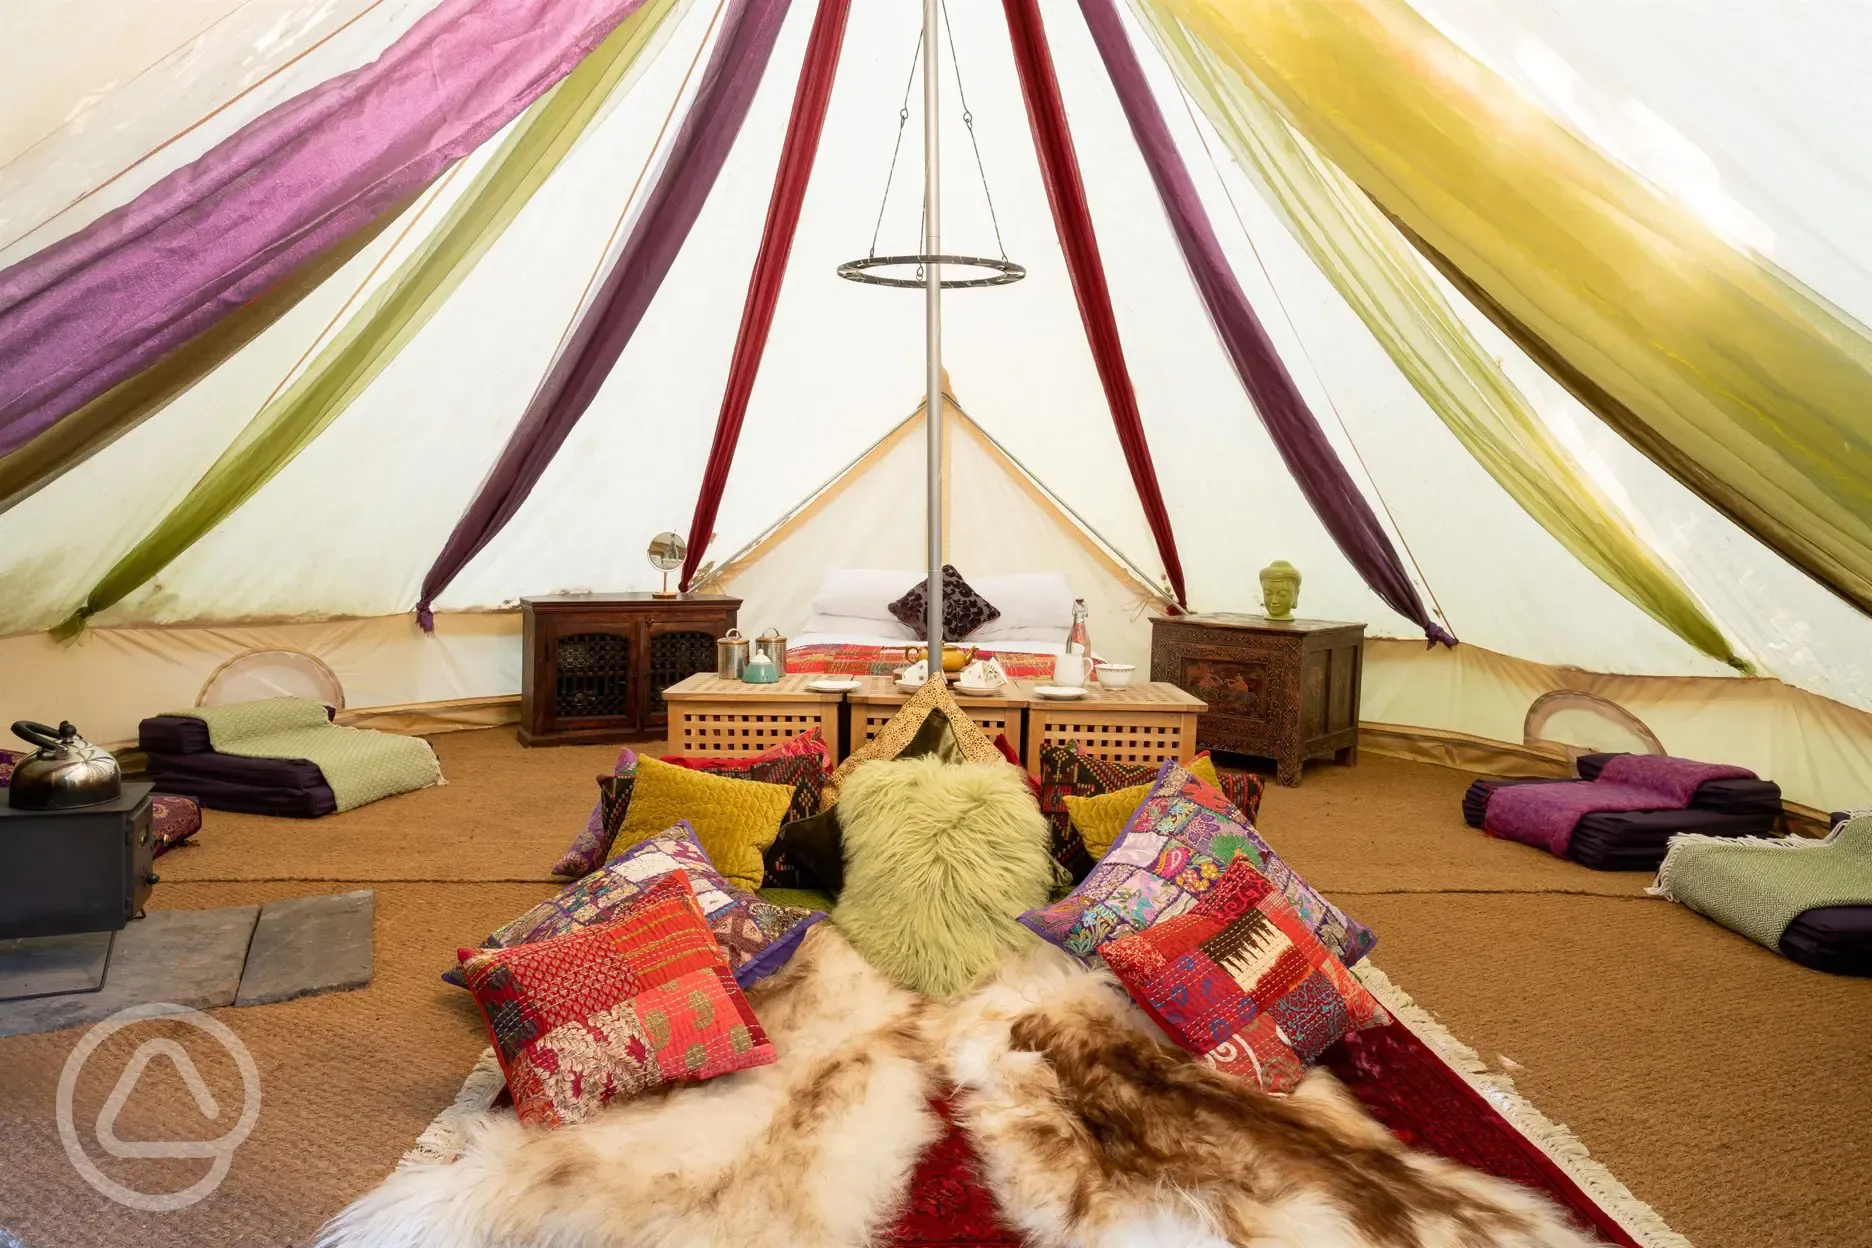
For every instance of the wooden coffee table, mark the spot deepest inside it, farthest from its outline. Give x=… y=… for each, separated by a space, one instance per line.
x=719 y=718
x=1140 y=723
x=878 y=698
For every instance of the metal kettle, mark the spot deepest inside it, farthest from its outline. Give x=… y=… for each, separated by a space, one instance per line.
x=65 y=772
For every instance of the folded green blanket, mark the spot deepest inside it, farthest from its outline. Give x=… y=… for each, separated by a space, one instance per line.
x=360 y=765
x=1756 y=887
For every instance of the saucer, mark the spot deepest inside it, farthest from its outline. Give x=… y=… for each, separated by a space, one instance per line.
x=834 y=685
x=1062 y=693
x=985 y=691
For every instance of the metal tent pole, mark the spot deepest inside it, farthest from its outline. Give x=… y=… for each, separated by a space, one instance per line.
x=932 y=303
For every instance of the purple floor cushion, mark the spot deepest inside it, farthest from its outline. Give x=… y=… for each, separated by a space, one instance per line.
x=1836 y=939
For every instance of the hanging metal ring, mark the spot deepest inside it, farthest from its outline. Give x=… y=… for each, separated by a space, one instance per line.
x=1005 y=272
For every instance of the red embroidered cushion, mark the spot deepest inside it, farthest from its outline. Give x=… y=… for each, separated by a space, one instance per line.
x=1239 y=980
x=609 y=1012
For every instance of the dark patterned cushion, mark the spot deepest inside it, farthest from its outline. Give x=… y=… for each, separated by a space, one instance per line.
x=963 y=612
x=172 y=820
x=1065 y=772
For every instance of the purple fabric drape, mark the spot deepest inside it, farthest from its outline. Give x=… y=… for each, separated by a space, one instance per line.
x=90 y=310
x=1297 y=436
x=734 y=71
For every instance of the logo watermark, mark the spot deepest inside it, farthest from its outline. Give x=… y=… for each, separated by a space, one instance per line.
x=220 y=1151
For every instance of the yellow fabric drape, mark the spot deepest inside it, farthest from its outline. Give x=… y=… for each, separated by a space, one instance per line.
x=1374 y=269
x=1747 y=388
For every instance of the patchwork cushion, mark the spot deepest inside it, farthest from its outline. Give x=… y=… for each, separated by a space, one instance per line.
x=1065 y=772
x=1240 y=981
x=757 y=935
x=608 y=1012
x=173 y=820
x=734 y=819
x=896 y=737
x=1100 y=819
x=588 y=848
x=963 y=609
x=1174 y=849
x=940 y=861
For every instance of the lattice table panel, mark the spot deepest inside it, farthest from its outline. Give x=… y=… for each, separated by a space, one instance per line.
x=1138 y=724
x=733 y=719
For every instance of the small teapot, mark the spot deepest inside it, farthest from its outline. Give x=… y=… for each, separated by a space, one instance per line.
x=954 y=658
x=66 y=771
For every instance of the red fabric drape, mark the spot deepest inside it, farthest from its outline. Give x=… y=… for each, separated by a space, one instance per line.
x=810 y=99
x=1059 y=168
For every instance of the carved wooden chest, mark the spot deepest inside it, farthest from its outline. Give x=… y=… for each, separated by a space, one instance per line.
x=1281 y=689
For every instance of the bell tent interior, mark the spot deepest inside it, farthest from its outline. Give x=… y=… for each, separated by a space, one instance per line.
x=1534 y=336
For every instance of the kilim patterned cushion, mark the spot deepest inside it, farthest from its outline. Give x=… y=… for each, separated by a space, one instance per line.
x=172 y=820
x=803 y=762
x=589 y=847
x=1065 y=772
x=1241 y=982
x=757 y=935
x=1171 y=853
x=963 y=610
x=609 y=1012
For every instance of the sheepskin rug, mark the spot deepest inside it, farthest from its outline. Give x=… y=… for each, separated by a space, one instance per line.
x=1092 y=1132
x=1096 y=1133
x=815 y=1149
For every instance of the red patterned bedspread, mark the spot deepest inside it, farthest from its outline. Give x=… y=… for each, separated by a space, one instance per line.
x=866 y=660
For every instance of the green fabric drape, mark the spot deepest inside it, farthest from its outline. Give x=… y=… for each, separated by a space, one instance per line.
x=135 y=399
x=1744 y=386
x=394 y=314
x=1371 y=265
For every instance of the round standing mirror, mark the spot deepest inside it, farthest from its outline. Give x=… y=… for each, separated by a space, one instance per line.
x=667 y=552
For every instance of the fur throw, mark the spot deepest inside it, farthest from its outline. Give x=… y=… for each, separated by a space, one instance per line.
x=816 y=1148
x=1092 y=1133
x=940 y=862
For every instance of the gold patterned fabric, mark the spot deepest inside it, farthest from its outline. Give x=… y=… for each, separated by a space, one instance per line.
x=894 y=737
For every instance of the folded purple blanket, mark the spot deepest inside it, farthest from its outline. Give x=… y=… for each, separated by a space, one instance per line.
x=1544 y=815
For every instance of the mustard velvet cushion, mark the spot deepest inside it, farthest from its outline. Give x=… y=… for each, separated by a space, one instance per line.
x=1100 y=819
x=735 y=819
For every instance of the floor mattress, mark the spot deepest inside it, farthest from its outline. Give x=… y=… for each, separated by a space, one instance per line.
x=1630 y=840
x=1836 y=939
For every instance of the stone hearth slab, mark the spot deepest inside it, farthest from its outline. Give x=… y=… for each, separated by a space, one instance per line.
x=309 y=945
x=190 y=958
x=44 y=966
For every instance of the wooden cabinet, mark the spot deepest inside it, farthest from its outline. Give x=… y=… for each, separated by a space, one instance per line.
x=1281 y=689
x=597 y=664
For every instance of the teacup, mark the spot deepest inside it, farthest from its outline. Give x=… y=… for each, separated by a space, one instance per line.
x=1071 y=670
x=1115 y=675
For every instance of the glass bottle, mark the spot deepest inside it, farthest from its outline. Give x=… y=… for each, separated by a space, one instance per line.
x=1077 y=641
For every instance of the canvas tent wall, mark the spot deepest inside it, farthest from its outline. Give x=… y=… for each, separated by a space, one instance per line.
x=328 y=554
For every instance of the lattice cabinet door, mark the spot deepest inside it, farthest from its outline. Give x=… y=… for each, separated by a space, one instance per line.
x=592 y=676
x=677 y=652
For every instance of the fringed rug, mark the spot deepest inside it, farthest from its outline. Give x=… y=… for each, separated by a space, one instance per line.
x=982 y=1173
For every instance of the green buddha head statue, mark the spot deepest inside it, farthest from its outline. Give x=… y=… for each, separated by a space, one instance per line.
x=1280 y=589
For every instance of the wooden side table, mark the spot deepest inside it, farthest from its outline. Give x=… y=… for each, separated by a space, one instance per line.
x=1141 y=723
x=733 y=719
x=879 y=698
x=1281 y=689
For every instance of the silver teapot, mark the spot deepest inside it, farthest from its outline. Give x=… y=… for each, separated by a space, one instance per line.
x=65 y=772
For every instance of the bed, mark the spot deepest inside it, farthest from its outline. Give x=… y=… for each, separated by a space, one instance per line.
x=851 y=631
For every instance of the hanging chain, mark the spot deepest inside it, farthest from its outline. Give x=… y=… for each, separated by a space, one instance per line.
x=903 y=119
x=968 y=123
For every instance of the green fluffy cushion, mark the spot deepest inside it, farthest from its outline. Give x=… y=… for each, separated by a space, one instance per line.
x=939 y=862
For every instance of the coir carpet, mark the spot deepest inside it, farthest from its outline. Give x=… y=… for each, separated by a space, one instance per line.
x=1728 y=1088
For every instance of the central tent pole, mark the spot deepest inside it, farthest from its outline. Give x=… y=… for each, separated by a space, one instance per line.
x=932 y=304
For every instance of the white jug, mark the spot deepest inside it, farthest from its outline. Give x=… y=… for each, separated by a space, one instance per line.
x=1071 y=670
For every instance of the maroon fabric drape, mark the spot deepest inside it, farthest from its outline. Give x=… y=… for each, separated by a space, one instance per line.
x=810 y=99
x=1310 y=458
x=1059 y=168
x=734 y=71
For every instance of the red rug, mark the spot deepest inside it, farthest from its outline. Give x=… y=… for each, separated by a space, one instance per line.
x=1397 y=1077
x=859 y=660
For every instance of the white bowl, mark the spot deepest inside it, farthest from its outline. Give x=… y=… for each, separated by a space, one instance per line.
x=1115 y=675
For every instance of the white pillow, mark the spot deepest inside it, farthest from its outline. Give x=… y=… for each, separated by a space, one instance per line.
x=863 y=593
x=1033 y=605
x=856 y=626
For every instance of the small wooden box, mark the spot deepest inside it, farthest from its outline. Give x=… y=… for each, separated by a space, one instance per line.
x=878 y=699
x=83 y=870
x=1281 y=689
x=712 y=717
x=1145 y=723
